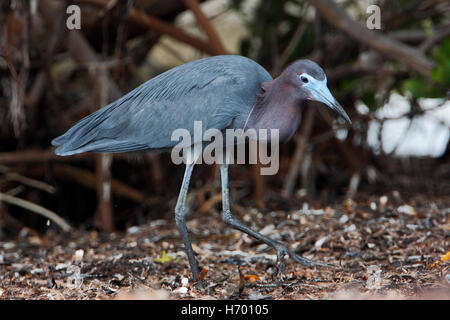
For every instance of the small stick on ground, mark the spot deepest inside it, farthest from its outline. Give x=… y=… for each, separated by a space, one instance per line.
x=37 y=209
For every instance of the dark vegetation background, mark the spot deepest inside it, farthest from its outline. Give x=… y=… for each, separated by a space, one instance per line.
x=50 y=77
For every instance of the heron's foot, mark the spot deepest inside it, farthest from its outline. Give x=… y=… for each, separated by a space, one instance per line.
x=197 y=279
x=200 y=284
x=283 y=250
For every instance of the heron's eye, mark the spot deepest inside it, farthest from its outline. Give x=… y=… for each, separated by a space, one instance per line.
x=304 y=79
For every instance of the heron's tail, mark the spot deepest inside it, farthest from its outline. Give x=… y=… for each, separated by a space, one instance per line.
x=106 y=130
x=78 y=138
x=86 y=135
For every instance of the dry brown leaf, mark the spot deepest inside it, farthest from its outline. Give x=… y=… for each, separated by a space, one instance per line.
x=202 y=275
x=252 y=278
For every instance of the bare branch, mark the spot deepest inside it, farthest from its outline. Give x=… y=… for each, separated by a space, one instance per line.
x=158 y=25
x=297 y=159
x=298 y=34
x=203 y=21
x=404 y=54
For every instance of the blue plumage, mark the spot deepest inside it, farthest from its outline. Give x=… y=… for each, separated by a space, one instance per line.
x=217 y=91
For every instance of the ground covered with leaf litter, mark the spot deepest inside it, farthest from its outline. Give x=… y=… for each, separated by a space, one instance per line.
x=382 y=248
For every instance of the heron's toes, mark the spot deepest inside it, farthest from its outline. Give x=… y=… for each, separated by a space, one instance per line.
x=282 y=250
x=200 y=284
x=280 y=261
x=307 y=262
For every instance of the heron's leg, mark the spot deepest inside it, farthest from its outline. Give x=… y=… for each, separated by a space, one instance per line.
x=235 y=224
x=180 y=219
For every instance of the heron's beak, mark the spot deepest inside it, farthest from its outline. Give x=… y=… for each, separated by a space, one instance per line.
x=321 y=93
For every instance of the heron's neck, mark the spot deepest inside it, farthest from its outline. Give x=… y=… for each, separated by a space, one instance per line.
x=276 y=92
x=276 y=107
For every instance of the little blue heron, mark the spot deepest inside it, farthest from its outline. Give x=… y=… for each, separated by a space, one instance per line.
x=223 y=92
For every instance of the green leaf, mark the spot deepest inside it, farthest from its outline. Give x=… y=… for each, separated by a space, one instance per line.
x=422 y=88
x=369 y=100
x=441 y=73
x=165 y=258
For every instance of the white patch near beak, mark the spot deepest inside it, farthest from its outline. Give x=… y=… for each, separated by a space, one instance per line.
x=320 y=92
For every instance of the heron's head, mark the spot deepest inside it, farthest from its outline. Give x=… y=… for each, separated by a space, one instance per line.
x=310 y=83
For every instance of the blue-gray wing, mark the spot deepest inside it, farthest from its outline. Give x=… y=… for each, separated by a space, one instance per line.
x=216 y=91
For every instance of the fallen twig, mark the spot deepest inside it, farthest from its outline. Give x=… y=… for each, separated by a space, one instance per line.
x=36 y=209
x=88 y=179
x=13 y=176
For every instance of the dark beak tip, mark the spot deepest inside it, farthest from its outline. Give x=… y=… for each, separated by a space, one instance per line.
x=332 y=103
x=349 y=121
x=340 y=111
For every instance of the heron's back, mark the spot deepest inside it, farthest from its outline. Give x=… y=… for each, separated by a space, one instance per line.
x=218 y=91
